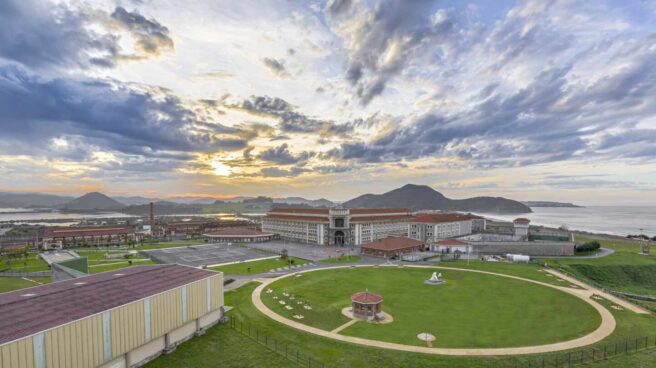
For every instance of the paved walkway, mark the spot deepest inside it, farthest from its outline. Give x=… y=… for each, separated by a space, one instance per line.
x=619 y=301
x=345 y=325
x=604 y=330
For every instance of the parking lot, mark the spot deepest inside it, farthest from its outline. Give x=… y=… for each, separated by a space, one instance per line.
x=209 y=254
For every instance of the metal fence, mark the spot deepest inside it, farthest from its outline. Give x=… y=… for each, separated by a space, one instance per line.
x=591 y=355
x=284 y=349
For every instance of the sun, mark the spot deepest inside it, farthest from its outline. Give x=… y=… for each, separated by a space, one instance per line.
x=220 y=169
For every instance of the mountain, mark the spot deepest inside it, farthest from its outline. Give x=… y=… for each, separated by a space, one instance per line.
x=163 y=208
x=549 y=204
x=322 y=202
x=422 y=197
x=25 y=200
x=93 y=201
x=134 y=200
x=191 y=200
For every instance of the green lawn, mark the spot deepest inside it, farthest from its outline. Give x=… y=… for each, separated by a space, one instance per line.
x=625 y=270
x=342 y=259
x=470 y=310
x=255 y=267
x=218 y=348
x=222 y=347
x=17 y=283
x=30 y=264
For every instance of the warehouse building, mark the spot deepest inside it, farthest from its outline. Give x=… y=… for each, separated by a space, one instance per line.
x=61 y=237
x=113 y=319
x=195 y=228
x=336 y=226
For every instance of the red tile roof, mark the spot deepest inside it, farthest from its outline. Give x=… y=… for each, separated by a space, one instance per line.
x=451 y=242
x=317 y=211
x=366 y=297
x=522 y=220
x=393 y=243
x=380 y=218
x=435 y=218
x=297 y=218
x=58 y=232
x=357 y=211
x=29 y=311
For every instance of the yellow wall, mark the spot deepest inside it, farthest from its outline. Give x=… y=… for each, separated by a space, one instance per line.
x=80 y=343
x=77 y=344
x=128 y=331
x=17 y=354
x=165 y=312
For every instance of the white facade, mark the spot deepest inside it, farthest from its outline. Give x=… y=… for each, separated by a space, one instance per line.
x=336 y=226
x=432 y=232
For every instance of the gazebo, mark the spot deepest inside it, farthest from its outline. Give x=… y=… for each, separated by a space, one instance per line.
x=366 y=305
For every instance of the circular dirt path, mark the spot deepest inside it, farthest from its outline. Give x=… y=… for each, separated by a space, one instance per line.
x=604 y=330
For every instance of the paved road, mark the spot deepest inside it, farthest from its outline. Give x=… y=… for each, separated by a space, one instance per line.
x=604 y=330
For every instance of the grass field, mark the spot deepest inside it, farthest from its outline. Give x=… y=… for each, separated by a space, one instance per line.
x=30 y=264
x=255 y=267
x=97 y=268
x=17 y=283
x=470 y=310
x=625 y=270
x=341 y=259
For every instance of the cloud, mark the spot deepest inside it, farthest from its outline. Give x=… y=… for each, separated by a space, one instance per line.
x=151 y=37
x=277 y=67
x=275 y=172
x=130 y=119
x=289 y=120
x=40 y=34
x=282 y=155
x=382 y=37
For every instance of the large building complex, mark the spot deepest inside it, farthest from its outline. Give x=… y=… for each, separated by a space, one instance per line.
x=60 y=237
x=196 y=228
x=113 y=319
x=432 y=227
x=336 y=226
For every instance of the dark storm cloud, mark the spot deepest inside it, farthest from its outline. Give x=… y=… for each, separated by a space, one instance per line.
x=151 y=37
x=289 y=120
x=40 y=34
x=282 y=155
x=383 y=36
x=112 y=116
x=277 y=67
x=274 y=172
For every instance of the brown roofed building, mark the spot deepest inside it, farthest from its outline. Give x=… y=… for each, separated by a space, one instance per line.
x=196 y=228
x=391 y=246
x=431 y=227
x=61 y=237
x=116 y=318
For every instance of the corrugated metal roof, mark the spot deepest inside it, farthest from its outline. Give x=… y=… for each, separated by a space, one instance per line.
x=393 y=243
x=29 y=311
x=57 y=232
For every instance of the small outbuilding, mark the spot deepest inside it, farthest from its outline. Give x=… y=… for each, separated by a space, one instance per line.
x=392 y=246
x=449 y=246
x=366 y=305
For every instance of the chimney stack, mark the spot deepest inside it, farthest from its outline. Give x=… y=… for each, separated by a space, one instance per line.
x=152 y=219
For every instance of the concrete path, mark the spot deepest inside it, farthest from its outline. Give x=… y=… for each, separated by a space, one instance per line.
x=619 y=301
x=604 y=330
x=345 y=325
x=602 y=252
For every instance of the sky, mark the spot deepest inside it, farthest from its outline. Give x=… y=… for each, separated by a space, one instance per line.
x=530 y=100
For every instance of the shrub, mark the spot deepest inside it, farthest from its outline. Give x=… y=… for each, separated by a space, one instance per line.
x=588 y=247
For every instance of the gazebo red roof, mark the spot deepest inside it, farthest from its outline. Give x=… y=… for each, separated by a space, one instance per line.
x=522 y=220
x=366 y=297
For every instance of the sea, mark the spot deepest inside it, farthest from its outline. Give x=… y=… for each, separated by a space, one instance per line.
x=614 y=220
